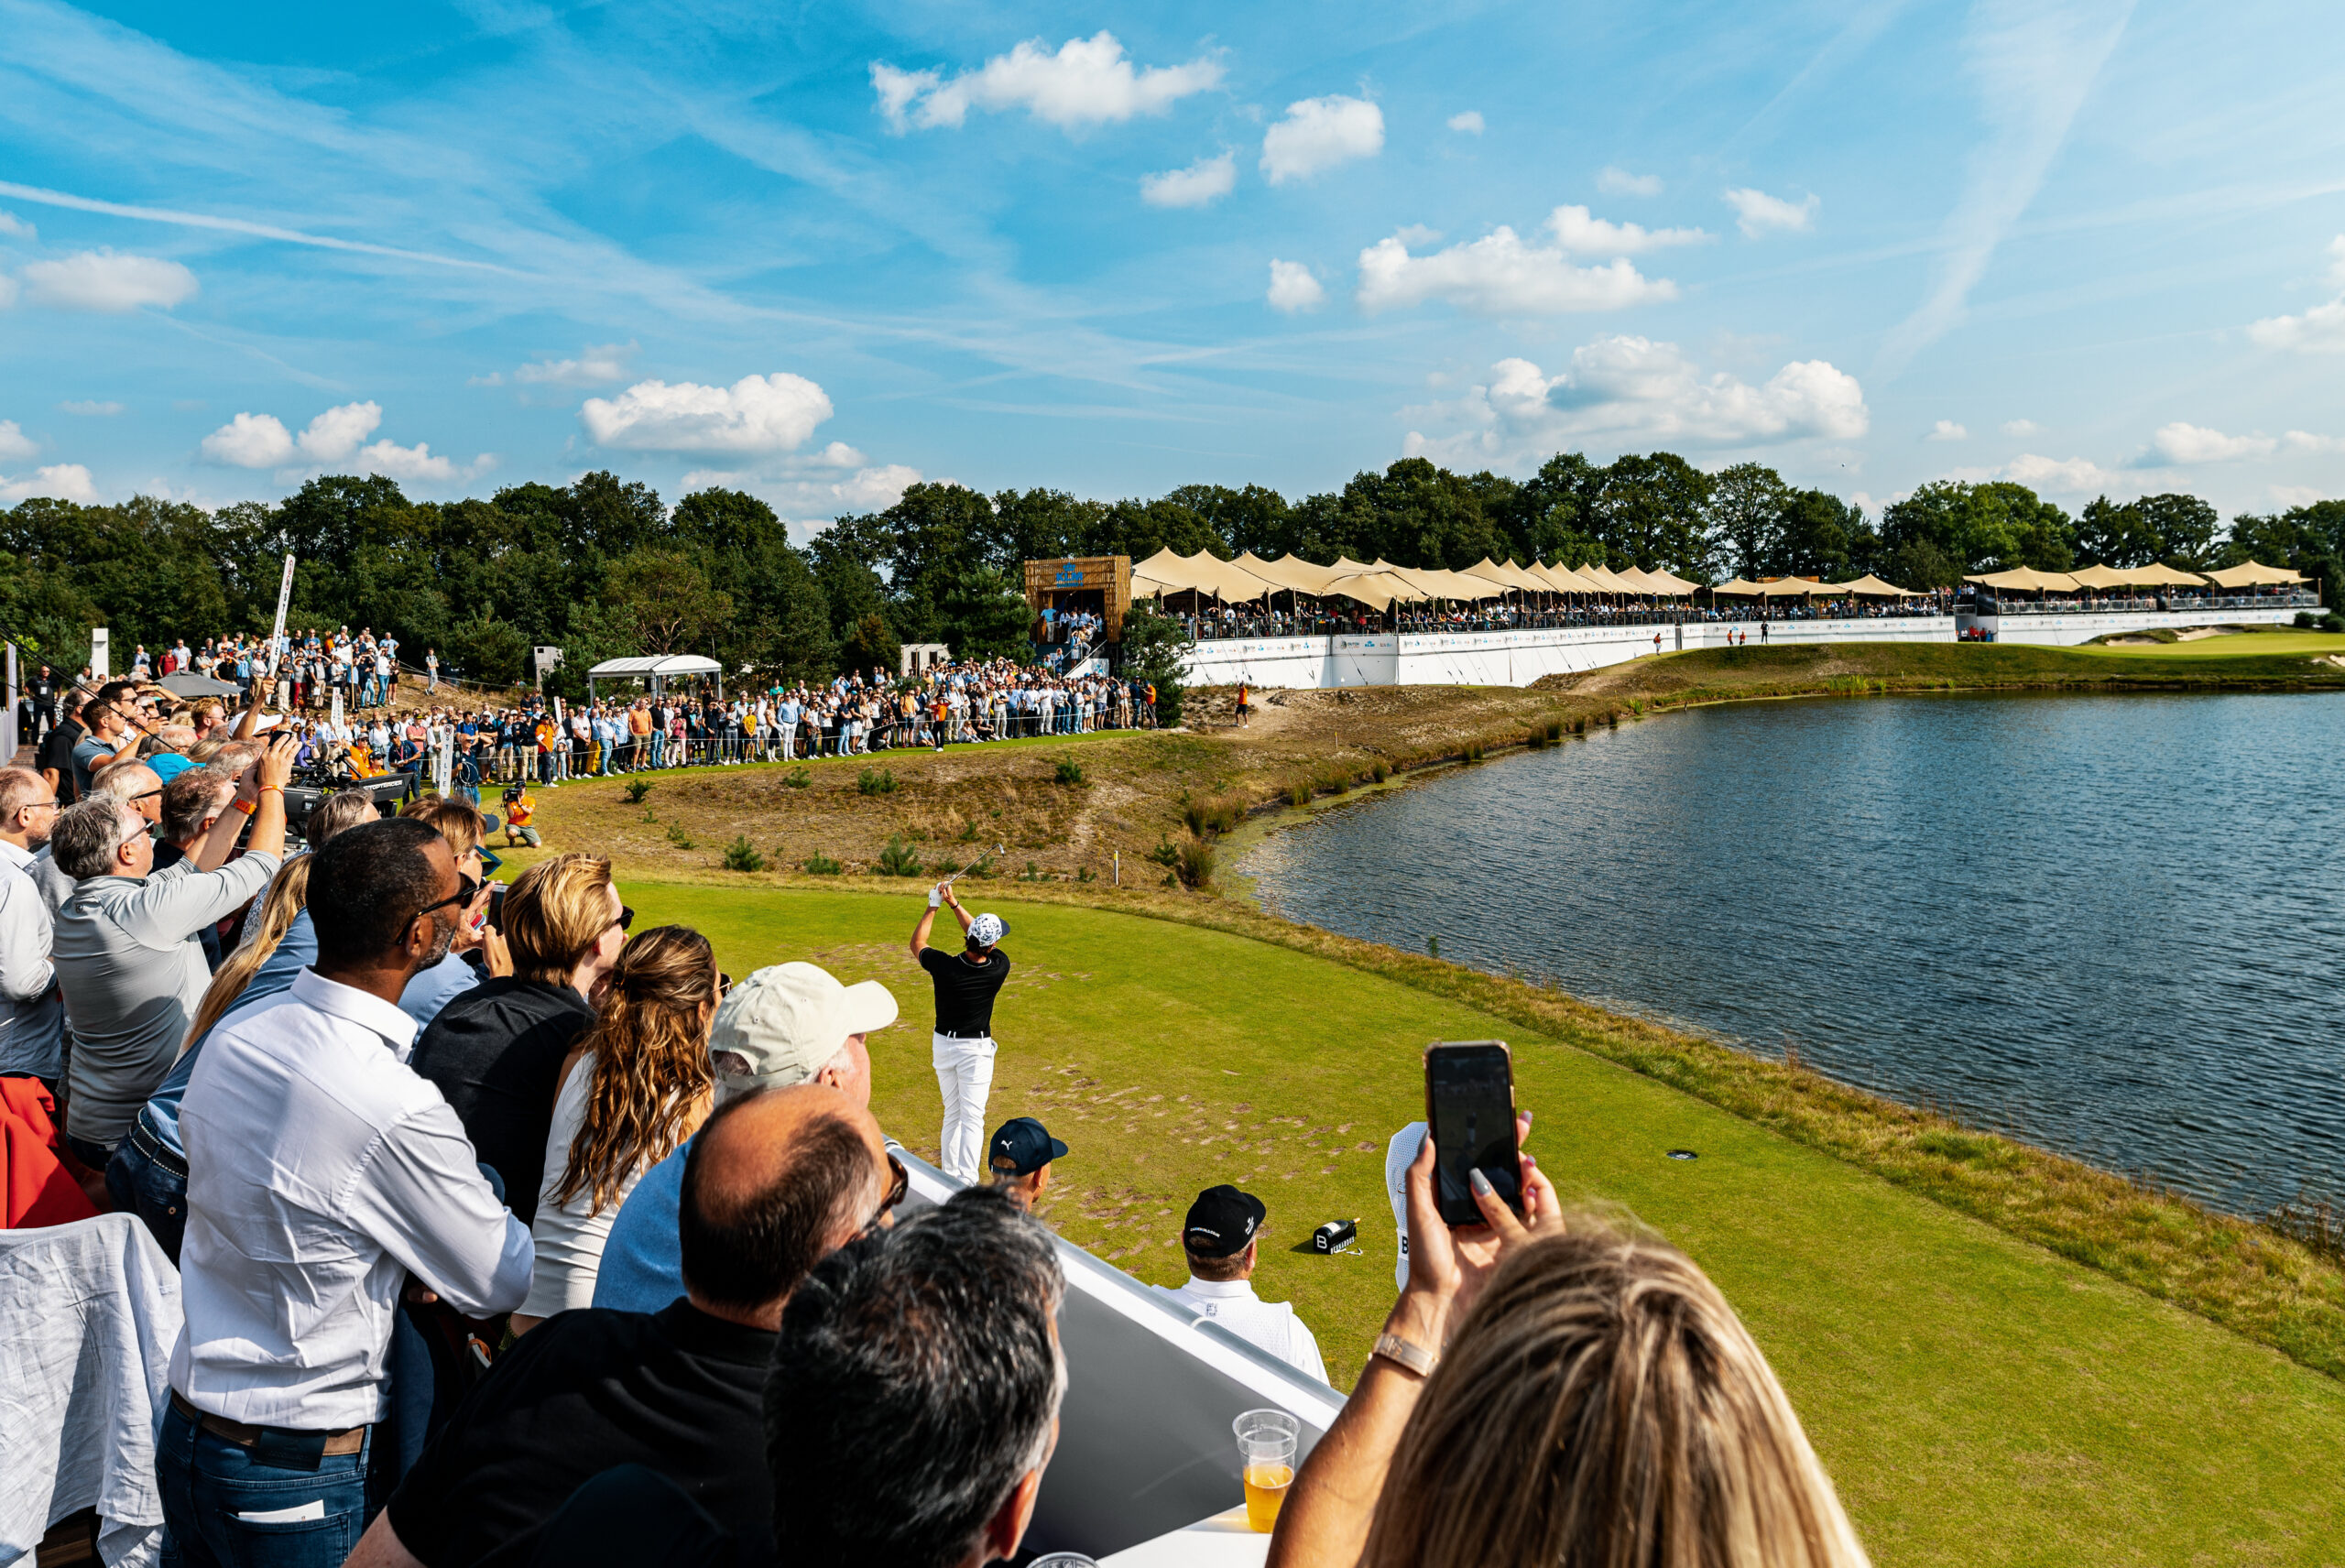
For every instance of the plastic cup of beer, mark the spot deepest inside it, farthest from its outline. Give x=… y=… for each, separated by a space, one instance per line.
x=1266 y=1443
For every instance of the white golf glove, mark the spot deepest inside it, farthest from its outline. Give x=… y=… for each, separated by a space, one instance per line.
x=935 y=897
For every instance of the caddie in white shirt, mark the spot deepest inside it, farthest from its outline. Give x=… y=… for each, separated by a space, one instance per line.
x=323 y=1172
x=1220 y=1236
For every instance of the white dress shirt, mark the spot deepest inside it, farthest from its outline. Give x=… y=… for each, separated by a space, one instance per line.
x=320 y=1171
x=1268 y=1325
x=32 y=1019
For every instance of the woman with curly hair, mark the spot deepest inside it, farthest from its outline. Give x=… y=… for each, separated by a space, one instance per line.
x=636 y=1085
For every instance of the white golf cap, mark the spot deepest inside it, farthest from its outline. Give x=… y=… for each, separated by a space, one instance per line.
x=786 y=1022
x=987 y=929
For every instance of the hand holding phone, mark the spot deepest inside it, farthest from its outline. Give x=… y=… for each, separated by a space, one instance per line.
x=1469 y=1120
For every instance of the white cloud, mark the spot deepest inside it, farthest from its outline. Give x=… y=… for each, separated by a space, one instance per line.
x=1946 y=430
x=597 y=366
x=1579 y=233
x=494 y=378
x=1616 y=181
x=8 y=291
x=1320 y=132
x=1756 y=213
x=1293 y=289
x=104 y=281
x=1468 y=122
x=838 y=454
x=1498 y=275
x=11 y=225
x=2305 y=441
x=2021 y=428
x=261 y=440
x=1631 y=391
x=2179 y=442
x=63 y=481
x=14 y=443
x=2320 y=329
x=90 y=408
x=416 y=464
x=756 y=414
x=2070 y=476
x=2297 y=494
x=876 y=489
x=1087 y=82
x=1207 y=179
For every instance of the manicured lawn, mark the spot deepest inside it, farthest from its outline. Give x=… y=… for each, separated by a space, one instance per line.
x=2308 y=644
x=1977 y=1399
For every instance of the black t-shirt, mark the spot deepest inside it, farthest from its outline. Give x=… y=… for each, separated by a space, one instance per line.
x=677 y=1391
x=56 y=754
x=495 y=1052
x=965 y=991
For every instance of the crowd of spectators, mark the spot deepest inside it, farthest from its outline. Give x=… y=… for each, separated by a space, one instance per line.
x=498 y=1230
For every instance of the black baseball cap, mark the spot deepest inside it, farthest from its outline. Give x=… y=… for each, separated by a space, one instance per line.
x=1027 y=1144
x=1222 y=1221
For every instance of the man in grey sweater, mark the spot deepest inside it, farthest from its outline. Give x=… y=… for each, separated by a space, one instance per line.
x=127 y=954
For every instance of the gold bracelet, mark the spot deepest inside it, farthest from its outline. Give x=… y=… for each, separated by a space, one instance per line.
x=1407 y=1354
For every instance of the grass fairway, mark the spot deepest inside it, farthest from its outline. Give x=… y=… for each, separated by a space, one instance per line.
x=1977 y=1399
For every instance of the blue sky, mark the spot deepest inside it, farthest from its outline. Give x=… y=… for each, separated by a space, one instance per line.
x=818 y=252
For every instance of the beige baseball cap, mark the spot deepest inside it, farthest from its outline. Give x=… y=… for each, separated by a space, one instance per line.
x=784 y=1024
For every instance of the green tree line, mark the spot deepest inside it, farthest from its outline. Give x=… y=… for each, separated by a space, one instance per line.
x=602 y=568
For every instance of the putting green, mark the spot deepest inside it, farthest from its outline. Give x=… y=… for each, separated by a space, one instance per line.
x=2234 y=645
x=1978 y=1400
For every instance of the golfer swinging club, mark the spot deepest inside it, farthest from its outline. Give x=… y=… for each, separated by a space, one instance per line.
x=967 y=984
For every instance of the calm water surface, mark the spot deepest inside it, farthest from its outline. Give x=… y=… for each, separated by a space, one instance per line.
x=2112 y=926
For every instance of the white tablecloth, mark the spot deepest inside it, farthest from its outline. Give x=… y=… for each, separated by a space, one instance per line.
x=1225 y=1540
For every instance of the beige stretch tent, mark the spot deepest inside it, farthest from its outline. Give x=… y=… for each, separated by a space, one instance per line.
x=1871 y=587
x=1669 y=583
x=2027 y=578
x=1737 y=589
x=1165 y=573
x=2136 y=577
x=1297 y=575
x=1565 y=580
x=2254 y=574
x=1796 y=587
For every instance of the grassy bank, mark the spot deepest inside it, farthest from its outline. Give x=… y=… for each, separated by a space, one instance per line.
x=1976 y=1398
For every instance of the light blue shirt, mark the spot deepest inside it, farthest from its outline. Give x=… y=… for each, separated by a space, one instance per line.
x=643 y=1258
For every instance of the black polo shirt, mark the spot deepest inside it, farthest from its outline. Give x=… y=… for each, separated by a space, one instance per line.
x=965 y=991
x=677 y=1391
x=496 y=1052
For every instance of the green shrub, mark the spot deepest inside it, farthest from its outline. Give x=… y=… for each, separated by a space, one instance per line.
x=897 y=858
x=637 y=788
x=1165 y=854
x=1195 y=867
x=743 y=856
x=1536 y=740
x=820 y=865
x=1554 y=730
x=943 y=867
x=875 y=781
x=1029 y=874
x=1380 y=772
x=2307 y=620
x=982 y=866
x=1474 y=751
x=1335 y=784
x=1298 y=792
x=676 y=836
x=1085 y=874
x=797 y=779
x=968 y=834
x=1068 y=771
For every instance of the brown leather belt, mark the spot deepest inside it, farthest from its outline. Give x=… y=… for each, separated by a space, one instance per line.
x=350 y=1440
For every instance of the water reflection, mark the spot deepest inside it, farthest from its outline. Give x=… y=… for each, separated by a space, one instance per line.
x=2107 y=925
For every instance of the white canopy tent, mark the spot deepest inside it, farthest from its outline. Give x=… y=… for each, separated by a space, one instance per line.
x=656 y=669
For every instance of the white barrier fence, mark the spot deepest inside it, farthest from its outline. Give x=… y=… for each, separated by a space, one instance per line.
x=1508 y=659
x=2067 y=631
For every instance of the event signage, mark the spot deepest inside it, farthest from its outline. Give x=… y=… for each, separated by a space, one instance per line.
x=284 y=601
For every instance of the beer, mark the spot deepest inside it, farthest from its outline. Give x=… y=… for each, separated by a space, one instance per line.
x=1266 y=1487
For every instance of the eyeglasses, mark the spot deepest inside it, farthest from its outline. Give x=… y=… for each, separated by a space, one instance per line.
x=626 y=918
x=899 y=1184
x=467 y=890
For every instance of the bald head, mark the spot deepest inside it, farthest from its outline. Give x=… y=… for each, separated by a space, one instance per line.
x=775 y=1182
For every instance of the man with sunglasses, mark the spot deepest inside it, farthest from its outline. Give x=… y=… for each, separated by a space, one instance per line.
x=775 y=1181
x=321 y=1172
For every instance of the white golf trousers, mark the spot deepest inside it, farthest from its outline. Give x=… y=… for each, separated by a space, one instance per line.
x=965 y=1074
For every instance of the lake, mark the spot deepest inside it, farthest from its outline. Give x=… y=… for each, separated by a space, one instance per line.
x=2111 y=926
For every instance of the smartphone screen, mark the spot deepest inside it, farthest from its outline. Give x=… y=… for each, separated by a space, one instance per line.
x=496 y=907
x=1469 y=1106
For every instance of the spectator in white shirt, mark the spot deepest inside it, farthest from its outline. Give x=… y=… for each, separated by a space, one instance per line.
x=32 y=1019
x=1398 y=1155
x=1220 y=1236
x=322 y=1170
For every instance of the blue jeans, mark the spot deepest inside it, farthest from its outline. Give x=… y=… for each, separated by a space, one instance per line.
x=207 y=1482
x=142 y=1184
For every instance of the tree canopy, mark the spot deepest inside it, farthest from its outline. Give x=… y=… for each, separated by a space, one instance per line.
x=602 y=567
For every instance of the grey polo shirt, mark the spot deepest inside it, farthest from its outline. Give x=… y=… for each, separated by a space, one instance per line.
x=133 y=972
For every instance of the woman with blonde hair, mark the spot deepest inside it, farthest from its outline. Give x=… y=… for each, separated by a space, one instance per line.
x=1554 y=1395
x=636 y=1085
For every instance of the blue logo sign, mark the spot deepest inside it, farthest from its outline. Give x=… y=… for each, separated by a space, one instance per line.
x=1070 y=576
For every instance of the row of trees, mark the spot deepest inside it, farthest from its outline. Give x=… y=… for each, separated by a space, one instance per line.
x=602 y=568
